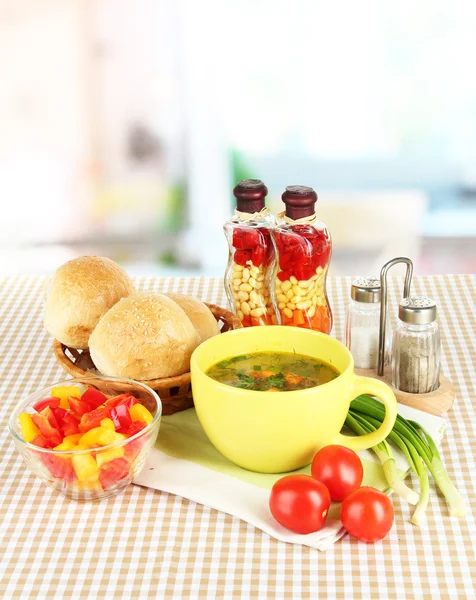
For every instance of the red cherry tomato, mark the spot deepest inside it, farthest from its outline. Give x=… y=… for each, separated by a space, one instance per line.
x=340 y=470
x=367 y=514
x=300 y=503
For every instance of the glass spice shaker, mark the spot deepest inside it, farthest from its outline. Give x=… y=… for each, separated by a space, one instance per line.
x=363 y=323
x=416 y=347
x=251 y=256
x=303 y=255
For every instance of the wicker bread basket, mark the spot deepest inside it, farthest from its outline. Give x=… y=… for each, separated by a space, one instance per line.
x=174 y=392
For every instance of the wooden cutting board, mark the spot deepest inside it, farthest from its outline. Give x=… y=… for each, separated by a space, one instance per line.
x=436 y=403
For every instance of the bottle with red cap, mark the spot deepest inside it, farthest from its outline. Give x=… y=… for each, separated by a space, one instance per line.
x=303 y=246
x=251 y=256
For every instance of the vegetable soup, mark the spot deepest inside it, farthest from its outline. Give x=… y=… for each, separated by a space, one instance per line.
x=272 y=371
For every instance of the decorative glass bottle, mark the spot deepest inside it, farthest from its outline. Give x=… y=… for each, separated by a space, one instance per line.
x=363 y=323
x=251 y=256
x=416 y=347
x=303 y=247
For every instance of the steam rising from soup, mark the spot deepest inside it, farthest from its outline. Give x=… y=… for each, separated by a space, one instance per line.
x=272 y=371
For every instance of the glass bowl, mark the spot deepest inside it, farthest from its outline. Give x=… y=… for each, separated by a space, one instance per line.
x=61 y=470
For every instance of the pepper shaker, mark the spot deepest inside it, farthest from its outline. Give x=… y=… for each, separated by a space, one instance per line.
x=363 y=322
x=416 y=347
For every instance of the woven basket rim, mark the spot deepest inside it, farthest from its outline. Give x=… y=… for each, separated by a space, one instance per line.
x=160 y=383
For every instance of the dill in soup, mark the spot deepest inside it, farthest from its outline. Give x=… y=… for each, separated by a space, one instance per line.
x=272 y=371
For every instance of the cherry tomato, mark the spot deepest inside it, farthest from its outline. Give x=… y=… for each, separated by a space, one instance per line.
x=367 y=514
x=340 y=470
x=300 y=503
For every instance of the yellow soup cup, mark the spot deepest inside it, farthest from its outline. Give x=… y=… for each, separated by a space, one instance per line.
x=275 y=432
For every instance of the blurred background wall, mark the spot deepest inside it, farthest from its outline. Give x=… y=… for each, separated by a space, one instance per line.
x=125 y=125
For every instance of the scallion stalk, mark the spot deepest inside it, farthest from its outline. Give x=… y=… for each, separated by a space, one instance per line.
x=441 y=477
x=417 y=466
x=385 y=455
x=419 y=448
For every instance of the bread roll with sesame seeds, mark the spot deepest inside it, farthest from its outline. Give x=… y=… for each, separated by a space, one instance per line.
x=79 y=294
x=200 y=315
x=145 y=336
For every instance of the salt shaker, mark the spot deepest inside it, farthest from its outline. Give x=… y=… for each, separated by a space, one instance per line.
x=416 y=347
x=363 y=322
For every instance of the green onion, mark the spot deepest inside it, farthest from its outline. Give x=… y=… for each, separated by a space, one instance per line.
x=367 y=414
x=417 y=466
x=385 y=455
x=436 y=468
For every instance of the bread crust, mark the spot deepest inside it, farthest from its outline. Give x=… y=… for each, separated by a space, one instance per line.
x=199 y=314
x=80 y=293
x=144 y=336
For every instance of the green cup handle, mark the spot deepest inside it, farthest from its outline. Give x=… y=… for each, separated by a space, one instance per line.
x=373 y=387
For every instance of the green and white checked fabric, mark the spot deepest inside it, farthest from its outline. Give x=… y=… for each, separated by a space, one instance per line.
x=150 y=544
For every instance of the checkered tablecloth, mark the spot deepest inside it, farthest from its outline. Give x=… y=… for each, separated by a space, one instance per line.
x=151 y=544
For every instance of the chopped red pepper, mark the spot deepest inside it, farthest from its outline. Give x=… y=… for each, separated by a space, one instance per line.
x=302 y=250
x=252 y=238
x=241 y=257
x=59 y=467
x=133 y=448
x=78 y=406
x=51 y=402
x=46 y=429
x=59 y=414
x=237 y=240
x=42 y=442
x=48 y=413
x=126 y=399
x=135 y=427
x=284 y=275
x=121 y=417
x=257 y=255
x=93 y=419
x=70 y=424
x=113 y=471
x=94 y=397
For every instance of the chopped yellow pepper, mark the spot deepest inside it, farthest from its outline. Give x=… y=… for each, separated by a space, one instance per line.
x=29 y=430
x=108 y=424
x=140 y=413
x=108 y=455
x=63 y=391
x=85 y=467
x=91 y=483
x=100 y=436
x=74 y=438
x=66 y=445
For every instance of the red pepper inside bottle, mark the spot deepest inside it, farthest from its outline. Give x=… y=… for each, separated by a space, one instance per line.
x=304 y=251
x=251 y=256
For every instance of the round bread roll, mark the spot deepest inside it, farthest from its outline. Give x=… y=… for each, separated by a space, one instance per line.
x=145 y=336
x=200 y=315
x=80 y=293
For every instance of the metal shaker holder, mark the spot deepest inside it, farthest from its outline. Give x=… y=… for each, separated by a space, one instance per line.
x=437 y=402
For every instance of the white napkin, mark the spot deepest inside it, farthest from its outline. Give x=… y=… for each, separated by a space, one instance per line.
x=240 y=498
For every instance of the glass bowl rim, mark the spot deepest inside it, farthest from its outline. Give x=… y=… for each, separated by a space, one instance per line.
x=51 y=451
